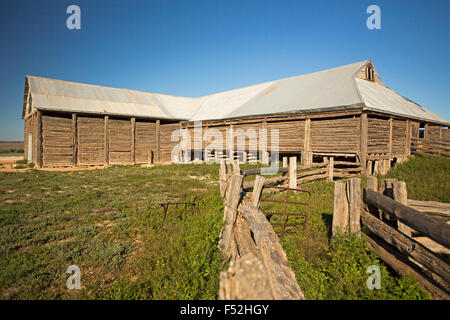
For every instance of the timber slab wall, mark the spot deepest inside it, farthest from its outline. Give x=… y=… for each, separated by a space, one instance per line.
x=64 y=139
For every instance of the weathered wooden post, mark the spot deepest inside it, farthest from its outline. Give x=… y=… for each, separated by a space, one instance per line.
x=236 y=168
x=331 y=168
x=285 y=162
x=232 y=202
x=257 y=189
x=400 y=193
x=340 y=209
x=292 y=172
x=222 y=178
x=354 y=204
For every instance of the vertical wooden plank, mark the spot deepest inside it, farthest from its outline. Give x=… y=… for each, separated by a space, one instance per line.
x=157 y=137
x=230 y=147
x=331 y=169
x=391 y=124
x=39 y=139
x=369 y=167
x=257 y=189
x=426 y=133
x=292 y=172
x=408 y=138
x=133 y=140
x=354 y=204
x=285 y=162
x=306 y=156
x=106 y=142
x=363 y=142
x=74 y=139
x=340 y=209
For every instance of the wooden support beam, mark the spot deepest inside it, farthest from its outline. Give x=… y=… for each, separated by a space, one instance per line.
x=133 y=140
x=435 y=229
x=292 y=172
x=391 y=124
x=408 y=138
x=331 y=169
x=39 y=139
x=106 y=142
x=364 y=125
x=306 y=154
x=74 y=140
x=157 y=138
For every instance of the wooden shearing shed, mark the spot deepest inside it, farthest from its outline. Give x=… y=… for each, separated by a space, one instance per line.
x=341 y=112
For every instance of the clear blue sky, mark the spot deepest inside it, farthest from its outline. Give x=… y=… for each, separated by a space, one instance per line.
x=194 y=48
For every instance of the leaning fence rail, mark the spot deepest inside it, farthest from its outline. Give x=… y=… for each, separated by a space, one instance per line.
x=387 y=222
x=258 y=264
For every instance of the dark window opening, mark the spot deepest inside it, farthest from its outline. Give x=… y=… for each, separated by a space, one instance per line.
x=370 y=73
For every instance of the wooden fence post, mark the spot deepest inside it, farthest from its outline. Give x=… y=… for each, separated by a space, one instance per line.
x=331 y=168
x=285 y=162
x=401 y=195
x=222 y=178
x=229 y=216
x=292 y=172
x=354 y=204
x=340 y=209
x=257 y=189
x=236 y=168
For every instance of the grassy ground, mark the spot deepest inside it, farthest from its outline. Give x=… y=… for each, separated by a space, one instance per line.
x=427 y=178
x=108 y=223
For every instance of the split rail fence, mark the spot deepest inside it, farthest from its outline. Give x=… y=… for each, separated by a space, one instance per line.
x=293 y=175
x=410 y=241
x=258 y=264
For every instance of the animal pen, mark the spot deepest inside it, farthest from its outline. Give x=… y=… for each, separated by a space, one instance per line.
x=344 y=114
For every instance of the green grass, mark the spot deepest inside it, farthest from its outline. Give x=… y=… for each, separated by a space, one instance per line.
x=427 y=177
x=108 y=223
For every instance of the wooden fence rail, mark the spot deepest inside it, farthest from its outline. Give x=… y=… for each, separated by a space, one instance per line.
x=294 y=175
x=387 y=230
x=258 y=264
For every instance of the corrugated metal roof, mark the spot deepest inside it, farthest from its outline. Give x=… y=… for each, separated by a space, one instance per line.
x=381 y=98
x=336 y=88
x=58 y=95
x=323 y=89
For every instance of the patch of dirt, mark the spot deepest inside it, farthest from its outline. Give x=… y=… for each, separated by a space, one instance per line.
x=9 y=291
x=102 y=210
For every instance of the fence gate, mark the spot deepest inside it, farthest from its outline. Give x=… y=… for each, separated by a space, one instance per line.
x=283 y=211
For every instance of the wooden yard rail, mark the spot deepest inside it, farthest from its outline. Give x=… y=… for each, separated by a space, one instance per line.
x=387 y=226
x=294 y=175
x=258 y=264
